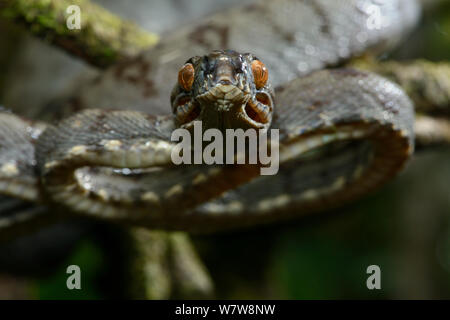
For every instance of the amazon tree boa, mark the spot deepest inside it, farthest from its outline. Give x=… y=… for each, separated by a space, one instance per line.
x=343 y=132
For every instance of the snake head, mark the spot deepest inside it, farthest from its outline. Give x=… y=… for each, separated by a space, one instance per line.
x=224 y=90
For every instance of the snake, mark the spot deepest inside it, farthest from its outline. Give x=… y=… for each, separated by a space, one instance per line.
x=268 y=65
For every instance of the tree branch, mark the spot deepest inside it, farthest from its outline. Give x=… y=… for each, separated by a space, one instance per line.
x=427 y=83
x=191 y=280
x=102 y=40
x=148 y=270
x=165 y=265
x=431 y=131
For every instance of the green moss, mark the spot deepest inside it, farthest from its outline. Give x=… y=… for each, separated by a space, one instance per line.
x=90 y=260
x=103 y=37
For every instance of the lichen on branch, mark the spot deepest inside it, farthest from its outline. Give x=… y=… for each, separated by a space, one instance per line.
x=103 y=38
x=427 y=83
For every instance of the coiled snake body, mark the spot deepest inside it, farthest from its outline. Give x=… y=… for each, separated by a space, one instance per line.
x=343 y=132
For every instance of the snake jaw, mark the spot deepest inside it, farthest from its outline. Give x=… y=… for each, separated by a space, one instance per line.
x=225 y=99
x=187 y=112
x=258 y=111
x=237 y=107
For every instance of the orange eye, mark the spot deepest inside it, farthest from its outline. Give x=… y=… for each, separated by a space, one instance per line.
x=186 y=76
x=260 y=73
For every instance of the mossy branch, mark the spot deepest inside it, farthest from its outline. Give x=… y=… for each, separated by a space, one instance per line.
x=432 y=131
x=103 y=38
x=191 y=278
x=149 y=270
x=427 y=83
x=165 y=265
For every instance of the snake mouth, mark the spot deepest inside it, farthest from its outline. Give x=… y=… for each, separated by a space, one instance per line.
x=188 y=110
x=235 y=106
x=258 y=111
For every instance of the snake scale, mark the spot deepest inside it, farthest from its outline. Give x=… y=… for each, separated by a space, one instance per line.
x=343 y=132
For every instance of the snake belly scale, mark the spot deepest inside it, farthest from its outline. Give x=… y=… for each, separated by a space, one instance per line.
x=343 y=133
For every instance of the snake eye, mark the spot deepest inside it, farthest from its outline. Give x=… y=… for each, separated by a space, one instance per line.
x=260 y=73
x=186 y=76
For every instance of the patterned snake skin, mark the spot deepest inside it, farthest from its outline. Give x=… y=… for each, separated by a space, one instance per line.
x=342 y=132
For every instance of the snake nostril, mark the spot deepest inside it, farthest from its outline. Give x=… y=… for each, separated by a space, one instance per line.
x=225 y=81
